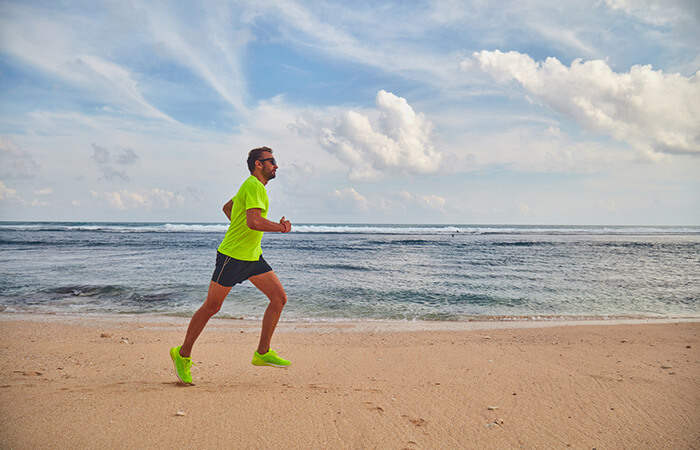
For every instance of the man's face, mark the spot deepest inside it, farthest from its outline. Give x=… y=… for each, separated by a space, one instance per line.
x=269 y=169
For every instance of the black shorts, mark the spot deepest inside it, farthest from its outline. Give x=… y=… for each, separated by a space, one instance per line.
x=230 y=271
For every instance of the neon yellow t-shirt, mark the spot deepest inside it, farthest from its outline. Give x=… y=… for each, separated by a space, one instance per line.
x=240 y=242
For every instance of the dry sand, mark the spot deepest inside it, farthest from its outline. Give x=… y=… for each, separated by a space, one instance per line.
x=108 y=382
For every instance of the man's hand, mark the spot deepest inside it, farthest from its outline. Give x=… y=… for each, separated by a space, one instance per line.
x=286 y=224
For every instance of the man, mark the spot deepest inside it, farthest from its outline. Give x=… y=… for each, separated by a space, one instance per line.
x=239 y=258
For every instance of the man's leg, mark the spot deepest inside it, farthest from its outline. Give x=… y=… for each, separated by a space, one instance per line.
x=271 y=286
x=215 y=298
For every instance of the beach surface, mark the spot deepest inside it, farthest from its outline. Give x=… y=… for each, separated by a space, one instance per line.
x=108 y=382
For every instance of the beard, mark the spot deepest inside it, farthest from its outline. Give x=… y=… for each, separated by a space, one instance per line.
x=268 y=174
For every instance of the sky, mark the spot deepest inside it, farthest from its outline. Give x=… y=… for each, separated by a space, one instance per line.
x=574 y=112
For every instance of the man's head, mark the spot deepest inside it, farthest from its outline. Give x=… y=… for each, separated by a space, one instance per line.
x=261 y=159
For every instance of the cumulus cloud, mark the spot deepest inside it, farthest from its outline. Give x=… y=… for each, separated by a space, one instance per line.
x=103 y=158
x=141 y=199
x=652 y=111
x=397 y=140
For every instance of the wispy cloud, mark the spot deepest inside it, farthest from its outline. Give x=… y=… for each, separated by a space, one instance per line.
x=371 y=35
x=660 y=12
x=63 y=46
x=211 y=47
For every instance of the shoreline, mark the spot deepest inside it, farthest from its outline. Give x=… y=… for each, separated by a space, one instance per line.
x=108 y=382
x=358 y=325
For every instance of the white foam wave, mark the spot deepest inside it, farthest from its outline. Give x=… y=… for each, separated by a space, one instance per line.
x=195 y=228
x=380 y=229
x=351 y=228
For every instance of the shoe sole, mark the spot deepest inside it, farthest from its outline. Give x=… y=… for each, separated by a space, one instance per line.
x=271 y=365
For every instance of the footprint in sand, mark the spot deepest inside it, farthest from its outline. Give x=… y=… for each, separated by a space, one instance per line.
x=321 y=386
x=416 y=422
x=372 y=407
x=29 y=373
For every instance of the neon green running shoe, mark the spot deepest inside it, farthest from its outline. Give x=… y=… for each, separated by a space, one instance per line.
x=182 y=365
x=269 y=359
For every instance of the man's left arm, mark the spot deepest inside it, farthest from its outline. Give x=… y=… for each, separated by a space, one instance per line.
x=227 y=209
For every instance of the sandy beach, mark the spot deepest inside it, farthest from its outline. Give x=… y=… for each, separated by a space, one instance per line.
x=108 y=382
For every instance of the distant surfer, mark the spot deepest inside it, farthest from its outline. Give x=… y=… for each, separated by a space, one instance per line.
x=239 y=258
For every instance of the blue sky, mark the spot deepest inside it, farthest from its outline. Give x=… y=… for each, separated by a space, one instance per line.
x=462 y=112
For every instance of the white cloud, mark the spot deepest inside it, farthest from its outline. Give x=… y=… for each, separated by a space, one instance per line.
x=6 y=193
x=652 y=111
x=397 y=140
x=423 y=202
x=433 y=202
x=141 y=199
x=350 y=195
x=43 y=192
x=388 y=204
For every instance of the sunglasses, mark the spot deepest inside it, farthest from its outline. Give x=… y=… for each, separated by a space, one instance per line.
x=272 y=161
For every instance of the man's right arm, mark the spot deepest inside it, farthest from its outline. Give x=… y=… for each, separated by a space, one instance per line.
x=227 y=209
x=257 y=222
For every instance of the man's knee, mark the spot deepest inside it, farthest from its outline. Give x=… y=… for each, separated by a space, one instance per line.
x=215 y=298
x=279 y=299
x=210 y=308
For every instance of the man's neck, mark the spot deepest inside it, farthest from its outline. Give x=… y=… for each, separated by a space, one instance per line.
x=261 y=178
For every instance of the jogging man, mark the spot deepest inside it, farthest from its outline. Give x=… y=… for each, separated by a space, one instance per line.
x=239 y=258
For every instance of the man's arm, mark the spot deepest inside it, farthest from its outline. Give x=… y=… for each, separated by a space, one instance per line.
x=257 y=222
x=227 y=209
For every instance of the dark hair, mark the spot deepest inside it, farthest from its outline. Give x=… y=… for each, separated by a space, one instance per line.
x=255 y=155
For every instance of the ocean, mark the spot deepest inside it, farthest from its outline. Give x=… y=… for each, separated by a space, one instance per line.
x=359 y=272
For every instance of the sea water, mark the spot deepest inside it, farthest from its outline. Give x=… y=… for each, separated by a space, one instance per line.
x=330 y=272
